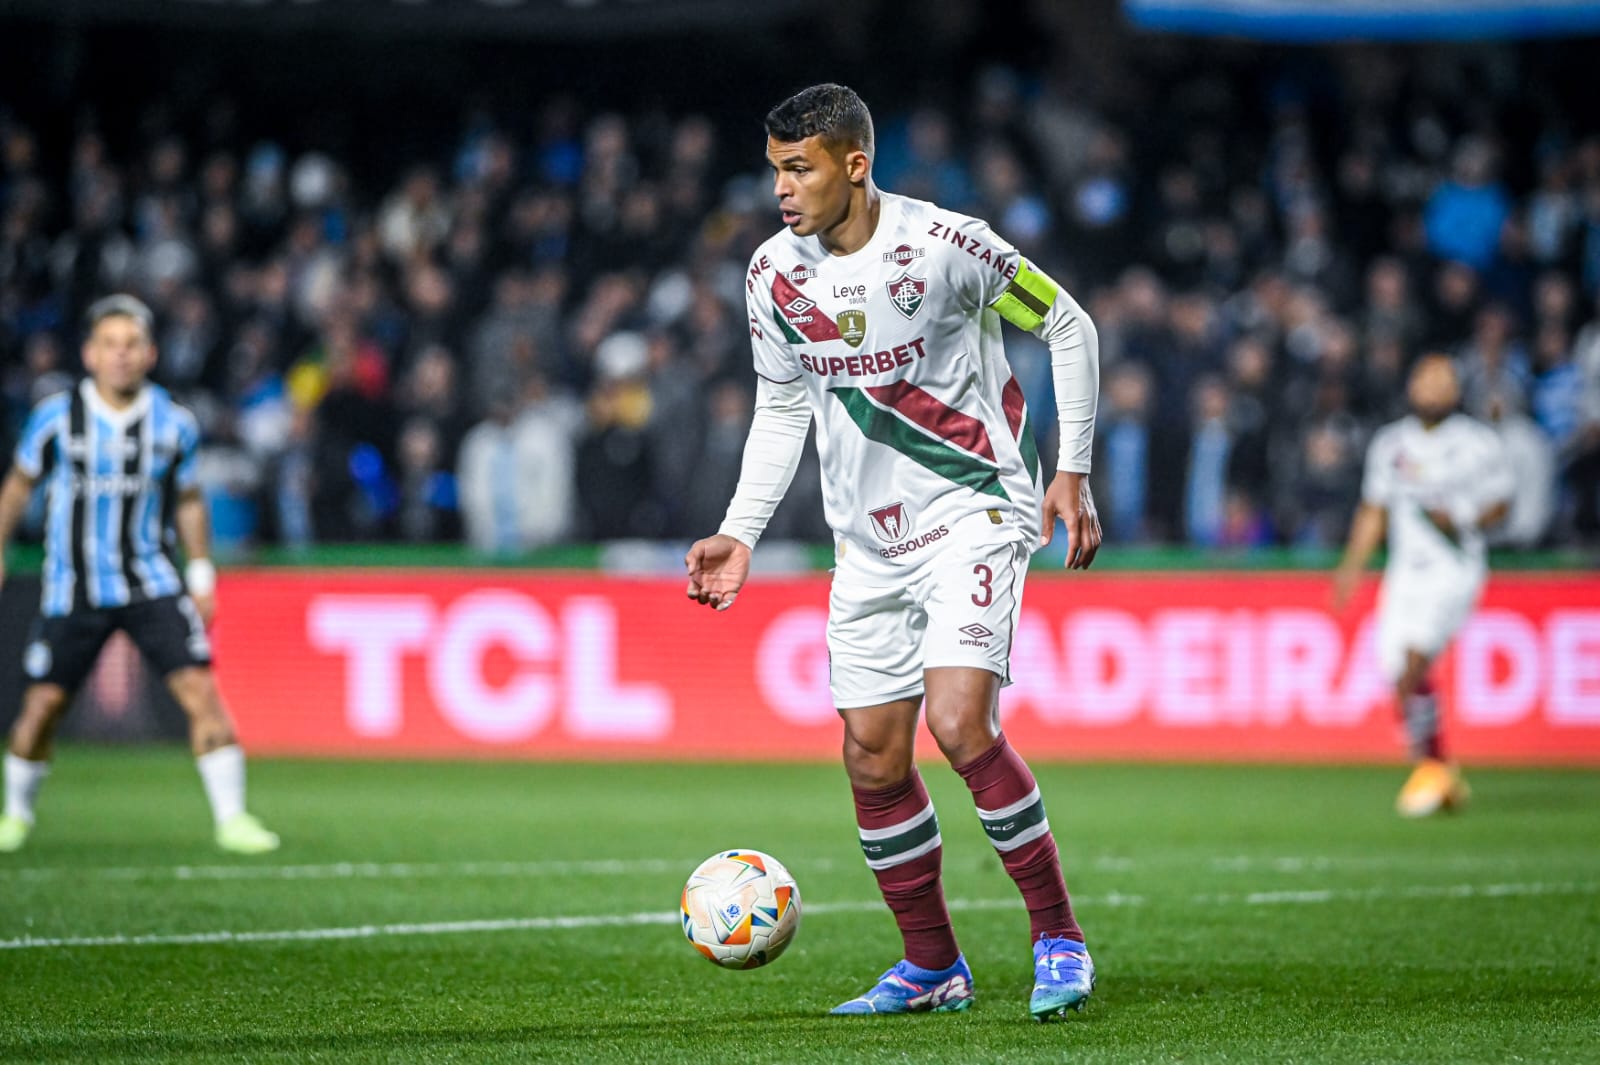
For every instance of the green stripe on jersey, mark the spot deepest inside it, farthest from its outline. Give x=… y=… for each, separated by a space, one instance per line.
x=788 y=330
x=885 y=850
x=886 y=428
x=1028 y=298
x=1030 y=449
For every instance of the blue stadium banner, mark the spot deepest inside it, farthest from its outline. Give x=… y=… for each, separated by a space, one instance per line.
x=1385 y=20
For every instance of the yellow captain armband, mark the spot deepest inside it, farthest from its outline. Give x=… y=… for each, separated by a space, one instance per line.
x=1028 y=298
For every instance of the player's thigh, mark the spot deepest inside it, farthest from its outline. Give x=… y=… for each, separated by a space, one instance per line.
x=1420 y=617
x=973 y=601
x=168 y=632
x=62 y=650
x=874 y=644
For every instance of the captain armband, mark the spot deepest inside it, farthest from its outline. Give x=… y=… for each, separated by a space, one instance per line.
x=1028 y=299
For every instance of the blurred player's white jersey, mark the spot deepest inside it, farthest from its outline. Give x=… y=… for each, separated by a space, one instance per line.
x=1458 y=466
x=921 y=426
x=1432 y=581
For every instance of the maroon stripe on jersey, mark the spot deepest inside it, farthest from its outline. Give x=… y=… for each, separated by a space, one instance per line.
x=932 y=414
x=821 y=327
x=1011 y=400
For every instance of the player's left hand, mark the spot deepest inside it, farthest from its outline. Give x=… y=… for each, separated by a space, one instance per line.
x=1446 y=525
x=1069 y=499
x=205 y=606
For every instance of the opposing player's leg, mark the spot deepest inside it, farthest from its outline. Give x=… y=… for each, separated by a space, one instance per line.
x=874 y=643
x=59 y=654
x=972 y=612
x=172 y=638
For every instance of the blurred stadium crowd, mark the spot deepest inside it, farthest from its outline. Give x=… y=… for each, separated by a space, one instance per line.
x=535 y=334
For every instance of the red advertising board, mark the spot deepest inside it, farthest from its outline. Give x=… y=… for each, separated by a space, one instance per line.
x=1227 y=666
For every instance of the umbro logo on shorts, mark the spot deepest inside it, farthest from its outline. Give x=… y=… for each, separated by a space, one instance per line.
x=977 y=635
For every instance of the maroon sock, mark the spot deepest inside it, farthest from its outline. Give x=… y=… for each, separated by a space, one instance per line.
x=1421 y=709
x=1013 y=815
x=900 y=838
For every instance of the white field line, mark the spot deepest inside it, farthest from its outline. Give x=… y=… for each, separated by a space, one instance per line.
x=365 y=870
x=670 y=917
x=622 y=867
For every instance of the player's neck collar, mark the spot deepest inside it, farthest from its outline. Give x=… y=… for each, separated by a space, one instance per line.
x=97 y=403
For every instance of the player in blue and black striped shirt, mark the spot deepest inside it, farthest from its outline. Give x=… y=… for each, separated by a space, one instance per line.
x=117 y=458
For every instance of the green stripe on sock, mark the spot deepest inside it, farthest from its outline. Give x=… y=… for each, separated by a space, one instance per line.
x=1005 y=829
x=878 y=850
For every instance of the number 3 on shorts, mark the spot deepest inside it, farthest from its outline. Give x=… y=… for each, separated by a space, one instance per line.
x=985 y=576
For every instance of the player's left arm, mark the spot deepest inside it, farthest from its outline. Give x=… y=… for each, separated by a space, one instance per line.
x=1031 y=300
x=194 y=535
x=193 y=524
x=1486 y=502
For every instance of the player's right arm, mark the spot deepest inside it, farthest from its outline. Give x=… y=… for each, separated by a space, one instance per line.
x=26 y=468
x=14 y=496
x=1371 y=522
x=719 y=565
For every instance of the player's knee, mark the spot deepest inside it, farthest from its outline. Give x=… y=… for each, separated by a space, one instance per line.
x=194 y=688
x=876 y=761
x=962 y=731
x=44 y=702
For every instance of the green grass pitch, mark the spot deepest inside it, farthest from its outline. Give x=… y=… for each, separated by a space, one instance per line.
x=526 y=912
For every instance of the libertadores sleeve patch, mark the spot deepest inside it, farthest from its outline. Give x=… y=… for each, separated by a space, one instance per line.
x=1028 y=298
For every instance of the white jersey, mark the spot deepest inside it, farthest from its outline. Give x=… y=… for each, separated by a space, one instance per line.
x=921 y=426
x=1459 y=467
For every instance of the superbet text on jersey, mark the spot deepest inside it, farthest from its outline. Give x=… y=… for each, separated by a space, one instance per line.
x=921 y=425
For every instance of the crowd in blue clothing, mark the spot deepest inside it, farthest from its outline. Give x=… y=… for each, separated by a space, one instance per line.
x=535 y=334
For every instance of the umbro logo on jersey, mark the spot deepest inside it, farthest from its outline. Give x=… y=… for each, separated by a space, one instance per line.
x=907 y=293
x=905 y=253
x=891 y=523
x=797 y=306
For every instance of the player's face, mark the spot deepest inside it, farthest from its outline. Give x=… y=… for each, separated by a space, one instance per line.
x=812 y=182
x=1433 y=388
x=119 y=354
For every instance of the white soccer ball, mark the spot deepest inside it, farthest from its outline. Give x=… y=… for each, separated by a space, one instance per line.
x=741 y=909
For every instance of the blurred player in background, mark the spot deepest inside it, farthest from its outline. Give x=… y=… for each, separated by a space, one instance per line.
x=117 y=456
x=1434 y=482
x=881 y=316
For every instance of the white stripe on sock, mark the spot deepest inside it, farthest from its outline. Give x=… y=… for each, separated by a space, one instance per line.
x=1011 y=810
x=873 y=834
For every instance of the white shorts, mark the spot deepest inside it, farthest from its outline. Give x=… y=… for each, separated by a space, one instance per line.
x=958 y=610
x=1421 y=616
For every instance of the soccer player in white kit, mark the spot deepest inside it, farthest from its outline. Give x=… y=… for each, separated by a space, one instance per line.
x=1434 y=482
x=881 y=316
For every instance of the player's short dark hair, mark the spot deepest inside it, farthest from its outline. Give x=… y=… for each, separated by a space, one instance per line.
x=120 y=305
x=833 y=112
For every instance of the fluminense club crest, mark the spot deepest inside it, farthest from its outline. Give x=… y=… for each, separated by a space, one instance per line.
x=892 y=523
x=907 y=293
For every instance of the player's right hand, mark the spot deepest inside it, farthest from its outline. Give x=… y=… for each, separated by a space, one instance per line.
x=718 y=566
x=1345 y=582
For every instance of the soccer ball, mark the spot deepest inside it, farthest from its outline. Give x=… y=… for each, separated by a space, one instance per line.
x=741 y=909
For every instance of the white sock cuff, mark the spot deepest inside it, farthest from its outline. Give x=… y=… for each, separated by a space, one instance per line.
x=15 y=763
x=221 y=756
